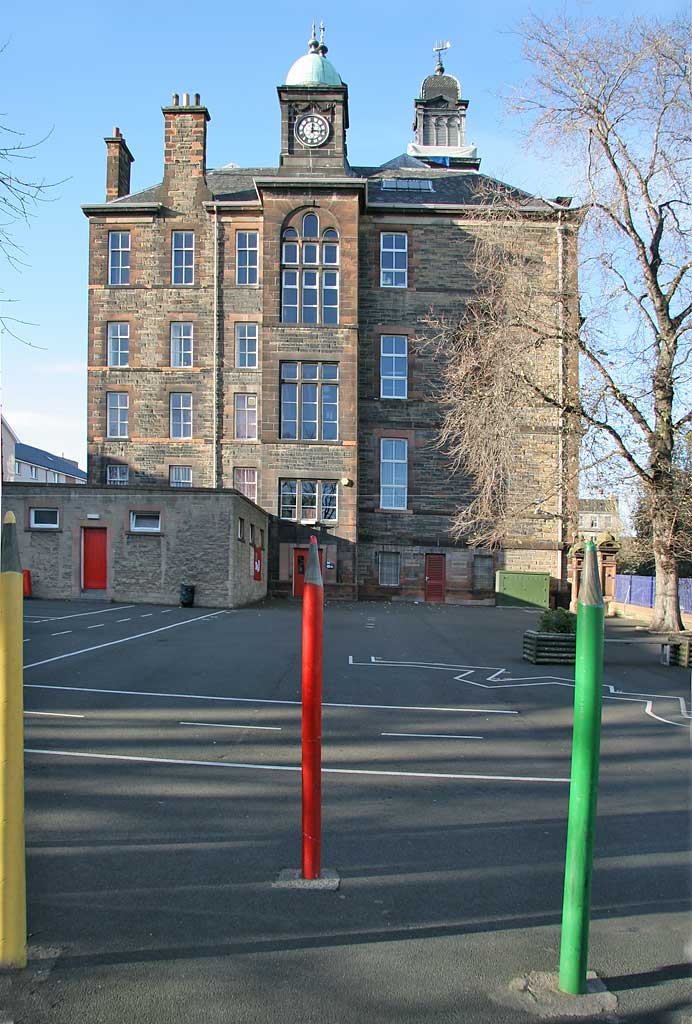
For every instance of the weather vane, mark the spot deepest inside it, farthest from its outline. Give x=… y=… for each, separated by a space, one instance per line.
x=440 y=46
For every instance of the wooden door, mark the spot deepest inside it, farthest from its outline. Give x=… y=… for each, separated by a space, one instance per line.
x=94 y=558
x=435 y=578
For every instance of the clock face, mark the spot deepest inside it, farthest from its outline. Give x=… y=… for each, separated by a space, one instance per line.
x=312 y=130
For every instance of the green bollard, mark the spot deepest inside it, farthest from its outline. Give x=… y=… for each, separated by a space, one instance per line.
x=583 y=793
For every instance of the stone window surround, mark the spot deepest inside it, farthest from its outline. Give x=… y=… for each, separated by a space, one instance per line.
x=391 y=433
x=383 y=227
x=119 y=231
x=102 y=338
x=313 y=479
x=256 y=470
x=125 y=321
x=164 y=340
x=231 y=268
x=325 y=221
x=233 y=435
x=118 y=389
x=180 y=230
x=408 y=332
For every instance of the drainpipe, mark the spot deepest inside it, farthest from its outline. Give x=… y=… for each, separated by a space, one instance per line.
x=214 y=474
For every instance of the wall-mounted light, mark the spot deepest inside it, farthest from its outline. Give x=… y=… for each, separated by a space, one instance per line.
x=346 y=481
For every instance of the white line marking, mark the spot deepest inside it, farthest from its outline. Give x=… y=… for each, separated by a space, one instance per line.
x=124 y=640
x=64 y=632
x=249 y=700
x=167 y=611
x=52 y=714
x=147 y=615
x=291 y=768
x=501 y=681
x=431 y=735
x=218 y=725
x=649 y=711
x=28 y=640
x=123 y=620
x=79 y=615
x=99 y=625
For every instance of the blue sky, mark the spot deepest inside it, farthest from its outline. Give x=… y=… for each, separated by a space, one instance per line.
x=74 y=71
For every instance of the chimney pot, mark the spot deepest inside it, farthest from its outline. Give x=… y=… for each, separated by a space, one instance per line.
x=186 y=99
x=116 y=133
x=197 y=99
x=175 y=100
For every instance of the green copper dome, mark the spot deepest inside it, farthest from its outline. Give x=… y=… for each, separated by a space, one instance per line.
x=313 y=68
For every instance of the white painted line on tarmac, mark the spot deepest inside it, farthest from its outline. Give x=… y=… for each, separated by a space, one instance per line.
x=52 y=714
x=167 y=611
x=147 y=615
x=245 y=700
x=219 y=725
x=649 y=711
x=63 y=632
x=99 y=625
x=123 y=620
x=79 y=615
x=28 y=640
x=431 y=735
x=292 y=768
x=123 y=640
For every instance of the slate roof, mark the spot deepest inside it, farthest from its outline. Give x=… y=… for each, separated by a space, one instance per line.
x=597 y=505
x=38 y=457
x=449 y=187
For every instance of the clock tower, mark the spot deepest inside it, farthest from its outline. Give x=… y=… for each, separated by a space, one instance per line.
x=314 y=115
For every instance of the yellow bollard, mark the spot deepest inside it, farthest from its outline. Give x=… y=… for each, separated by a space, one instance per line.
x=12 y=851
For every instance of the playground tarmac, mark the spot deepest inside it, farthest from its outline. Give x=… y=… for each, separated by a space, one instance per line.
x=163 y=801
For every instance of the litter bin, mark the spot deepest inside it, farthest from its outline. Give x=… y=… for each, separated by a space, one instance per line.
x=187 y=595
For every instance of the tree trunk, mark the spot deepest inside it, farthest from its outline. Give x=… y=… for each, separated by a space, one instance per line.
x=666 y=616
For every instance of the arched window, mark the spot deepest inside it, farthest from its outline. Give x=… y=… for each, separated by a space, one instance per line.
x=309 y=274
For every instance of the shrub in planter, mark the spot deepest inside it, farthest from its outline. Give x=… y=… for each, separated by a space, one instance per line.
x=554 y=642
x=557 y=620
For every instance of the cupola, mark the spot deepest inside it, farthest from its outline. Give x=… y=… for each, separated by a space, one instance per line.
x=313 y=68
x=440 y=123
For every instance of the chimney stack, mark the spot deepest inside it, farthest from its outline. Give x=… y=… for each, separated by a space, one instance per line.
x=185 y=147
x=118 y=163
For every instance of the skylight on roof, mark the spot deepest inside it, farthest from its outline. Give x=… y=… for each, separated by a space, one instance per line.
x=408 y=184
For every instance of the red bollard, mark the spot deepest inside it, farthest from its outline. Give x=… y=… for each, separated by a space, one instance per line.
x=27 y=582
x=313 y=603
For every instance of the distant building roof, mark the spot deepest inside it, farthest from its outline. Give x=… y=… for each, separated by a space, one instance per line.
x=38 y=457
x=598 y=505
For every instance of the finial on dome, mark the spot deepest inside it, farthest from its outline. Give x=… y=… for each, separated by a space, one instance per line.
x=438 y=48
x=322 y=48
x=313 y=45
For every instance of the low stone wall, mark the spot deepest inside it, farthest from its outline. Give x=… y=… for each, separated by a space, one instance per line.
x=198 y=543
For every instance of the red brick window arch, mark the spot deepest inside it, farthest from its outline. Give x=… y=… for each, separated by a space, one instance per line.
x=309 y=272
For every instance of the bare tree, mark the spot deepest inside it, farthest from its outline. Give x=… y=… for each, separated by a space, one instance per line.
x=616 y=100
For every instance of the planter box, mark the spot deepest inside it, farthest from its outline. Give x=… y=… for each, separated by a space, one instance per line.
x=549 y=648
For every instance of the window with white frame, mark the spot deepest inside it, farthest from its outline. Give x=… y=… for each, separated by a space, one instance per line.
x=117 y=476
x=389 y=565
x=181 y=344
x=393 y=473
x=180 y=476
x=309 y=500
x=309 y=401
x=252 y=533
x=393 y=366
x=33 y=472
x=241 y=528
x=44 y=518
x=246 y=346
x=118 y=411
x=247 y=257
x=183 y=245
x=181 y=415
x=310 y=292
x=118 y=257
x=118 y=344
x=245 y=417
x=145 y=522
x=17 y=469
x=394 y=259
x=245 y=481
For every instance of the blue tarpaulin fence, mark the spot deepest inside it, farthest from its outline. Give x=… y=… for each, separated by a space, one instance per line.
x=641 y=590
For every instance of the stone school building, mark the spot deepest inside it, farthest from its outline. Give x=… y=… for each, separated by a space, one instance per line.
x=255 y=329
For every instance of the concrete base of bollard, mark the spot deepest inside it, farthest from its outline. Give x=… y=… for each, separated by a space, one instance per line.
x=292 y=878
x=539 y=995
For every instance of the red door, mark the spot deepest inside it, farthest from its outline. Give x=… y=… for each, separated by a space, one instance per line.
x=300 y=564
x=94 y=558
x=435 y=578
